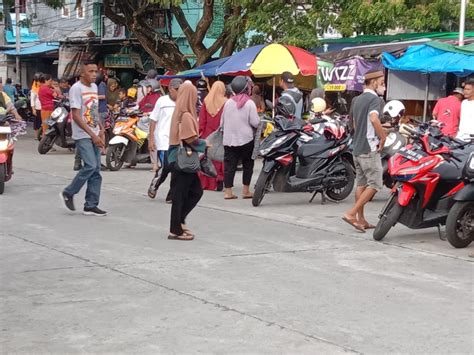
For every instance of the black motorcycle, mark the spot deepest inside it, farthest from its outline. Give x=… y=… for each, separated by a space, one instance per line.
x=460 y=221
x=299 y=160
x=59 y=129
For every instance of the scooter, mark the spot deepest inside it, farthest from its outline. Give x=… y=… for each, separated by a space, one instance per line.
x=130 y=143
x=8 y=133
x=60 y=130
x=305 y=162
x=427 y=176
x=460 y=221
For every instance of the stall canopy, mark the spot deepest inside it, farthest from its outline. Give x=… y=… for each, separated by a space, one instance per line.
x=434 y=57
x=208 y=70
x=33 y=50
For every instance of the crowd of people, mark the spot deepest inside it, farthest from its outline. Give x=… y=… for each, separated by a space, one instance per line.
x=183 y=113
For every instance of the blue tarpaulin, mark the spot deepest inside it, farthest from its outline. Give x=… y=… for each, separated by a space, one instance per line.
x=36 y=49
x=208 y=69
x=428 y=58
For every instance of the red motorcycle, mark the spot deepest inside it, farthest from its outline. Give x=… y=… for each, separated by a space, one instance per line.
x=9 y=129
x=427 y=175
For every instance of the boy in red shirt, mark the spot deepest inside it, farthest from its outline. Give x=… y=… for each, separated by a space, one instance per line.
x=448 y=111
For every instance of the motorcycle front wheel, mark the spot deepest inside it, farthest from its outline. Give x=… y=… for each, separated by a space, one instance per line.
x=459 y=225
x=3 y=176
x=262 y=186
x=388 y=219
x=113 y=157
x=46 y=143
x=341 y=193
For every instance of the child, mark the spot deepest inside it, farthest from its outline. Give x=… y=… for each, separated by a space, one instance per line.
x=124 y=101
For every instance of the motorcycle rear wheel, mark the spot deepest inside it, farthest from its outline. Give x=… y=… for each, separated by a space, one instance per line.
x=388 y=220
x=3 y=176
x=262 y=187
x=340 y=194
x=113 y=158
x=461 y=213
x=46 y=143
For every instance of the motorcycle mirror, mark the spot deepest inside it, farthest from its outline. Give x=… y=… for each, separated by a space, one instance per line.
x=269 y=104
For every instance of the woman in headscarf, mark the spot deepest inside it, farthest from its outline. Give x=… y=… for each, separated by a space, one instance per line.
x=186 y=190
x=35 y=103
x=258 y=99
x=112 y=94
x=209 y=122
x=239 y=120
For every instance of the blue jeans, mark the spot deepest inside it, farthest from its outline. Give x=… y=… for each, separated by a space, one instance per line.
x=89 y=173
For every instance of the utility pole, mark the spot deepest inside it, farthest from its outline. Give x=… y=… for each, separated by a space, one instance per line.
x=462 y=22
x=18 y=40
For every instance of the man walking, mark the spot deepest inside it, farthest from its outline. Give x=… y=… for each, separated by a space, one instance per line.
x=287 y=83
x=88 y=133
x=158 y=142
x=369 y=139
x=448 y=111
x=466 y=124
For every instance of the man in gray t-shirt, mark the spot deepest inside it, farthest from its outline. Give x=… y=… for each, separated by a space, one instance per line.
x=88 y=133
x=368 y=140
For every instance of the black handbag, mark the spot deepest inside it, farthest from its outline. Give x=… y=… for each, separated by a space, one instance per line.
x=207 y=167
x=187 y=160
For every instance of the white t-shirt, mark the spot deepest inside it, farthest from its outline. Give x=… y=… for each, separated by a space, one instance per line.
x=161 y=114
x=86 y=99
x=466 y=123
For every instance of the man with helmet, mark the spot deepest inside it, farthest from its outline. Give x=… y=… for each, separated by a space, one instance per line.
x=287 y=83
x=448 y=111
x=152 y=95
x=368 y=140
x=151 y=74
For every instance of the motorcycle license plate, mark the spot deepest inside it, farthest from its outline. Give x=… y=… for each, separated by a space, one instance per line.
x=410 y=154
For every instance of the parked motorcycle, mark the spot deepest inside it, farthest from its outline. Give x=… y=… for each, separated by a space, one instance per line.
x=59 y=128
x=460 y=221
x=9 y=129
x=304 y=161
x=427 y=176
x=130 y=143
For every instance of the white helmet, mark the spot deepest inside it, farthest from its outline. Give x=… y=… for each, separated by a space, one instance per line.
x=318 y=105
x=394 y=108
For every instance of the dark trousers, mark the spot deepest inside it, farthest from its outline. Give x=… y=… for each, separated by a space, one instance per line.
x=163 y=172
x=232 y=155
x=186 y=191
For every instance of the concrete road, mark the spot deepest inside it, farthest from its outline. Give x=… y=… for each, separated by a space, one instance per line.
x=287 y=277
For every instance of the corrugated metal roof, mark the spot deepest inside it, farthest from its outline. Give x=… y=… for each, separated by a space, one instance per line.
x=36 y=49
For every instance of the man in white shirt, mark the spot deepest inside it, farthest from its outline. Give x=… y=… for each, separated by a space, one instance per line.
x=466 y=123
x=158 y=138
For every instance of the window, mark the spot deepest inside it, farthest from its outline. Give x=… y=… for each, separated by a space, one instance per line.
x=65 y=12
x=80 y=12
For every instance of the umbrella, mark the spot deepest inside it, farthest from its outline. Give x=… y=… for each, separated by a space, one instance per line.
x=269 y=60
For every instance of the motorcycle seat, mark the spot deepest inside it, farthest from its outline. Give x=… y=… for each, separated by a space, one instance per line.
x=315 y=147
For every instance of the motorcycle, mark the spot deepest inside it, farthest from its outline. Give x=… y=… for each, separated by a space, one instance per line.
x=298 y=160
x=60 y=130
x=427 y=176
x=130 y=143
x=9 y=129
x=459 y=224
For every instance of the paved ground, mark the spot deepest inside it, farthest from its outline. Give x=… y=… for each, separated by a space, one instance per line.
x=286 y=277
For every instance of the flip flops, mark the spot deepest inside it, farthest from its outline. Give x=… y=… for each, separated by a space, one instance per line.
x=233 y=197
x=246 y=197
x=184 y=237
x=354 y=224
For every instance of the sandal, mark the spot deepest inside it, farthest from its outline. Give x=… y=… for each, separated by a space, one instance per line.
x=183 y=236
x=246 y=197
x=353 y=223
x=233 y=197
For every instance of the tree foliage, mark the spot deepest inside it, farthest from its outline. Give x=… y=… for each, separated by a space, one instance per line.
x=296 y=22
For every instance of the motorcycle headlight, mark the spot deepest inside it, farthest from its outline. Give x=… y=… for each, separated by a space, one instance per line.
x=61 y=118
x=56 y=114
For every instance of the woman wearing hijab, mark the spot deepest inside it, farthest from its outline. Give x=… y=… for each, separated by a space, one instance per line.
x=239 y=120
x=186 y=187
x=209 y=122
x=258 y=99
x=112 y=93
